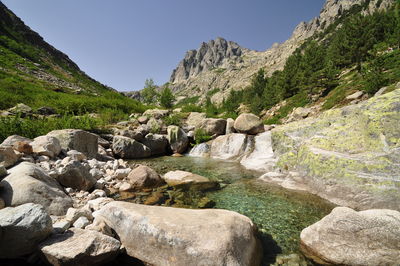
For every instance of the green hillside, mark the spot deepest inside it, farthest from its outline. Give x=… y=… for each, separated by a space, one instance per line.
x=35 y=73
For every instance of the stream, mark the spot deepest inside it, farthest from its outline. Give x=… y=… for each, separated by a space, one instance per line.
x=279 y=214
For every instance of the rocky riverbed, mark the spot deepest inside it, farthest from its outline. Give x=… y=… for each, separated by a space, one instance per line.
x=61 y=194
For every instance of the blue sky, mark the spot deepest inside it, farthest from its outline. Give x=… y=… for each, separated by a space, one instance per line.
x=122 y=42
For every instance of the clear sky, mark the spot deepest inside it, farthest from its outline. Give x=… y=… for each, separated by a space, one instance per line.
x=122 y=42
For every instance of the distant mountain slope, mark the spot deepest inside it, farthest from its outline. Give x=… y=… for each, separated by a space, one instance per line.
x=197 y=75
x=35 y=73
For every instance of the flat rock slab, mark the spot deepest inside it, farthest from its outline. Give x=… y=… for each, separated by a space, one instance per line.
x=79 y=247
x=173 y=236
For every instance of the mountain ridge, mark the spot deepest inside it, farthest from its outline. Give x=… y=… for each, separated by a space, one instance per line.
x=236 y=74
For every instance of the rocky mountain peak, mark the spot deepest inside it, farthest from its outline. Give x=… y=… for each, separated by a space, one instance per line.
x=209 y=55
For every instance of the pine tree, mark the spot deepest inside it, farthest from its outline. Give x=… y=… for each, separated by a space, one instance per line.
x=166 y=98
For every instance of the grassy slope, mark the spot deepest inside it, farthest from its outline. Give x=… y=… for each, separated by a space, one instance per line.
x=25 y=56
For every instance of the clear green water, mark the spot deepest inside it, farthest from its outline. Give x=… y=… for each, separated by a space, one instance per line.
x=279 y=213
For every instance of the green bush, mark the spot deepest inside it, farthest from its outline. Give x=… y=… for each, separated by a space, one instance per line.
x=201 y=136
x=174 y=119
x=192 y=108
x=34 y=127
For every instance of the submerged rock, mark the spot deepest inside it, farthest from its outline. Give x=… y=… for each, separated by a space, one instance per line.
x=172 y=236
x=80 y=247
x=22 y=229
x=347 y=237
x=185 y=179
x=28 y=182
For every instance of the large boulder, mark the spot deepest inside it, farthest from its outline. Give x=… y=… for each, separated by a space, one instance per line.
x=347 y=237
x=28 y=182
x=183 y=179
x=79 y=247
x=231 y=147
x=46 y=145
x=213 y=126
x=262 y=157
x=75 y=175
x=127 y=148
x=248 y=124
x=349 y=155
x=144 y=177
x=8 y=157
x=172 y=236
x=177 y=139
x=22 y=229
x=76 y=139
x=194 y=119
x=157 y=143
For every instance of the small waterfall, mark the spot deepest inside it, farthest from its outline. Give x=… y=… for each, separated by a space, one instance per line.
x=200 y=150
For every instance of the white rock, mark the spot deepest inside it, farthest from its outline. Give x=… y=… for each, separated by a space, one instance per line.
x=81 y=222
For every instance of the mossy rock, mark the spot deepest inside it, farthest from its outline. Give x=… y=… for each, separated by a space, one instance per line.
x=350 y=155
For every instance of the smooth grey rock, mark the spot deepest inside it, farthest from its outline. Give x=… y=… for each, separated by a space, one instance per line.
x=157 y=143
x=232 y=146
x=28 y=182
x=76 y=155
x=76 y=139
x=127 y=148
x=143 y=177
x=355 y=95
x=76 y=175
x=194 y=119
x=249 y=124
x=213 y=126
x=174 y=236
x=79 y=247
x=74 y=214
x=22 y=229
x=47 y=146
x=347 y=237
